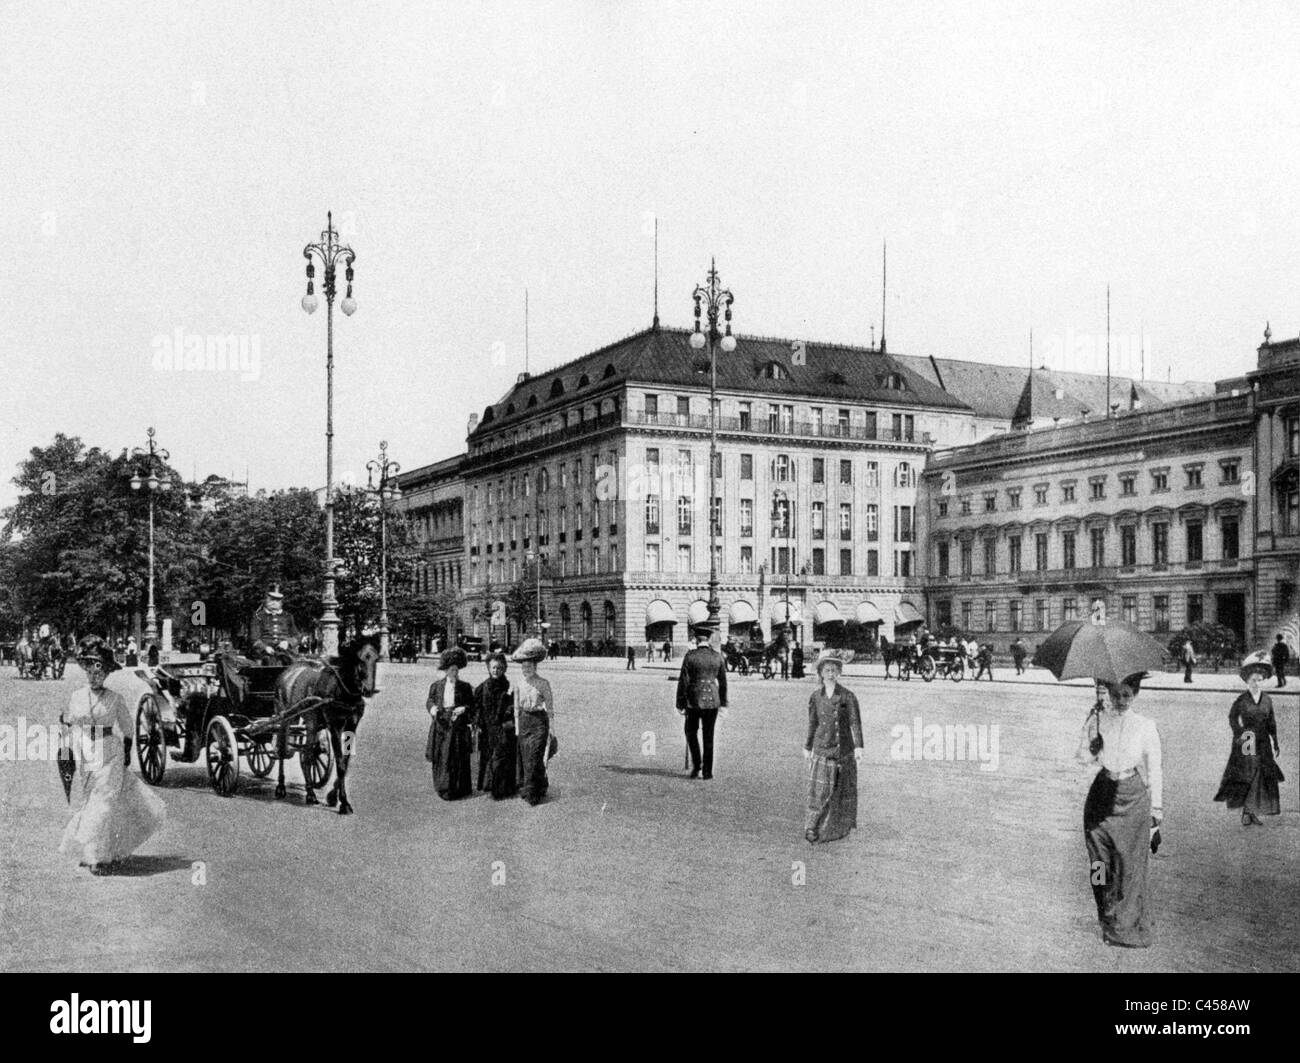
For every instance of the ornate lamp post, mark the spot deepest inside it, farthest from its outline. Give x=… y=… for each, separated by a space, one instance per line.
x=386 y=470
x=329 y=251
x=787 y=526
x=537 y=560
x=715 y=300
x=154 y=483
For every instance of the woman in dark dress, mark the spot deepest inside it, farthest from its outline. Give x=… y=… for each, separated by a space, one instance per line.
x=494 y=715
x=534 y=722
x=832 y=750
x=1252 y=774
x=448 y=746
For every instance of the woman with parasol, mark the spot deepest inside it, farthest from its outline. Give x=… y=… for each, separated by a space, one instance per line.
x=117 y=812
x=1251 y=776
x=1124 y=807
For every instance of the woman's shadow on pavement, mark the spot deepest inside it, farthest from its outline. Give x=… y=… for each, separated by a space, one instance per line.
x=144 y=866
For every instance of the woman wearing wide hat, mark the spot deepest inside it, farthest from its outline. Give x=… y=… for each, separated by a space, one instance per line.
x=534 y=722
x=117 y=813
x=832 y=750
x=1251 y=776
x=448 y=746
x=494 y=715
x=1123 y=808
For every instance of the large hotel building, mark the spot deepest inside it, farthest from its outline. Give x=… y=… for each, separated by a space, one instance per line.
x=831 y=501
x=1168 y=516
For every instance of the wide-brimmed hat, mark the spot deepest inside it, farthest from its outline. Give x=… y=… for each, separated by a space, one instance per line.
x=707 y=628
x=94 y=648
x=452 y=657
x=829 y=657
x=1256 y=662
x=530 y=650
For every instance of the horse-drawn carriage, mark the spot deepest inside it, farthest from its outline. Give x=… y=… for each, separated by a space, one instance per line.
x=752 y=658
x=266 y=713
x=37 y=657
x=202 y=713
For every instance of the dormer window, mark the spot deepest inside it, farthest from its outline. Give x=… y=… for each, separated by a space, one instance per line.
x=532 y=401
x=583 y=380
x=895 y=382
x=557 y=388
x=775 y=371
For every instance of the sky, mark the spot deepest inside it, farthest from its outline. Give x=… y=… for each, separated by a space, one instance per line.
x=166 y=163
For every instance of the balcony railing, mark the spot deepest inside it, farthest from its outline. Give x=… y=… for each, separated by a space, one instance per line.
x=1058 y=576
x=803 y=429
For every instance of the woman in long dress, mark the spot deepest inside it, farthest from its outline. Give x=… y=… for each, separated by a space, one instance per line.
x=534 y=722
x=117 y=812
x=449 y=743
x=494 y=714
x=832 y=750
x=1252 y=773
x=1124 y=806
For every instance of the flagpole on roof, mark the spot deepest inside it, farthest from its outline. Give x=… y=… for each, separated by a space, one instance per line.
x=884 y=289
x=656 y=319
x=1108 y=413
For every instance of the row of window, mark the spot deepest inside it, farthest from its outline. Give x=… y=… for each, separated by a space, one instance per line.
x=1193 y=553
x=784 y=519
x=1230 y=473
x=781 y=417
x=1020 y=618
x=445 y=575
x=782 y=561
x=579 y=563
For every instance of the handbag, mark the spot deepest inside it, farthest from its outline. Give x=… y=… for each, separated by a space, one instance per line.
x=552 y=747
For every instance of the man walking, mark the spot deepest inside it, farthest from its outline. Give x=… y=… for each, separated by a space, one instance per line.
x=1018 y=655
x=1189 y=659
x=1281 y=654
x=701 y=694
x=631 y=658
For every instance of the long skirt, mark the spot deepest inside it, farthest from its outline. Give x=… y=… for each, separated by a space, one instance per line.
x=534 y=737
x=1118 y=838
x=1250 y=782
x=832 y=809
x=117 y=812
x=502 y=753
x=452 y=775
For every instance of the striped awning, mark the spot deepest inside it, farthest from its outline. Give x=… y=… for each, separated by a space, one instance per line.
x=869 y=613
x=827 y=613
x=698 y=612
x=660 y=612
x=741 y=612
x=776 y=611
x=907 y=613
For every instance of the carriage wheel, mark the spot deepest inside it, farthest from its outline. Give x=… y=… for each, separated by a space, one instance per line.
x=767 y=669
x=957 y=671
x=150 y=742
x=261 y=757
x=223 y=756
x=927 y=669
x=317 y=761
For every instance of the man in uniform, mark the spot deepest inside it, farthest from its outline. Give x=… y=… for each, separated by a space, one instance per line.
x=272 y=631
x=701 y=694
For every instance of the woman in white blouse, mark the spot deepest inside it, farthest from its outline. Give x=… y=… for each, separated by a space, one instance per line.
x=117 y=813
x=1124 y=806
x=534 y=722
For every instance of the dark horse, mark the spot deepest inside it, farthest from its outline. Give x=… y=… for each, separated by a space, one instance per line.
x=339 y=687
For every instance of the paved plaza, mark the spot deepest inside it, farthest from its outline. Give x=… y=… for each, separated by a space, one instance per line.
x=631 y=866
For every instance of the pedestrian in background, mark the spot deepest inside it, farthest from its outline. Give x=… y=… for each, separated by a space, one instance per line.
x=1018 y=655
x=832 y=749
x=984 y=658
x=631 y=659
x=796 y=662
x=701 y=695
x=649 y=652
x=449 y=743
x=1189 y=659
x=1252 y=773
x=1280 y=654
x=1123 y=808
x=534 y=722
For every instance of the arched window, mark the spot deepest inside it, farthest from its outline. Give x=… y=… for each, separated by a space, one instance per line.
x=583 y=380
x=609 y=371
x=586 y=621
x=510 y=409
x=566 y=619
x=557 y=388
x=783 y=468
x=532 y=401
x=609 y=620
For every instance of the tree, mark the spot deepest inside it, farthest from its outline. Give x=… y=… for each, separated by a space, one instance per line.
x=358 y=543
x=77 y=540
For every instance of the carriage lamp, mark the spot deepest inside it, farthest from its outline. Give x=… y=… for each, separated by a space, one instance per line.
x=329 y=251
x=713 y=300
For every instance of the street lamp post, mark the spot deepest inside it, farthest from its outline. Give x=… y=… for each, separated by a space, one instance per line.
x=536 y=560
x=153 y=453
x=715 y=300
x=787 y=526
x=386 y=470
x=329 y=251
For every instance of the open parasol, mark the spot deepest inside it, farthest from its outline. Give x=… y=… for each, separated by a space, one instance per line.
x=67 y=768
x=1108 y=650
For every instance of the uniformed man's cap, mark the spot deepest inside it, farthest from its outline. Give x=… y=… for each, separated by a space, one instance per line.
x=705 y=628
x=275 y=591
